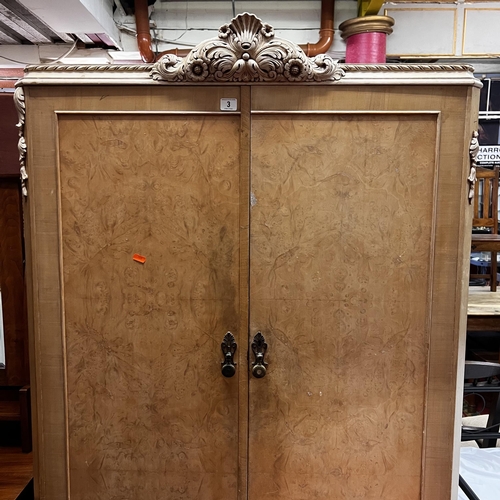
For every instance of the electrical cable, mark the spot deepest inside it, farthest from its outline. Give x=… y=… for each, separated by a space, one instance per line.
x=123 y=27
x=66 y=54
x=186 y=29
x=15 y=60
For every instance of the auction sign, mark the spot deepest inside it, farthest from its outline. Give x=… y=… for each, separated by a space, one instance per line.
x=488 y=155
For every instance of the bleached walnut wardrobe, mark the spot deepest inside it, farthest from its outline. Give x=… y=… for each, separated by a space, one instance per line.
x=248 y=274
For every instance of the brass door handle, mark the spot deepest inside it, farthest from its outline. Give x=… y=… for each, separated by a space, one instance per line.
x=259 y=348
x=228 y=347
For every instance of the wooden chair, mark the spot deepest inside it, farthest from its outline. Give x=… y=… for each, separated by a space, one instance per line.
x=486 y=220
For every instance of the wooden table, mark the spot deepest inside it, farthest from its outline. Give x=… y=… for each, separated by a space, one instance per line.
x=485 y=243
x=483 y=311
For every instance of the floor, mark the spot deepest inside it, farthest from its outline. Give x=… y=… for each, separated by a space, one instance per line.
x=17 y=472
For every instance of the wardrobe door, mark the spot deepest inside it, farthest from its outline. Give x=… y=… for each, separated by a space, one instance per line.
x=341 y=252
x=149 y=227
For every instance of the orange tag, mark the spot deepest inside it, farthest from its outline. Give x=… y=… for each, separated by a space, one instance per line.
x=139 y=258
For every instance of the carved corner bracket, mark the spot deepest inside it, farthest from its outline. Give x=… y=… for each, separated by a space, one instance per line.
x=473 y=151
x=246 y=50
x=21 y=144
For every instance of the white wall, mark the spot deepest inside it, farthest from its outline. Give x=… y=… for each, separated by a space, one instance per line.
x=187 y=23
x=445 y=30
x=424 y=31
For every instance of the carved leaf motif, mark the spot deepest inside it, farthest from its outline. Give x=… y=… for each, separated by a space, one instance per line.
x=229 y=344
x=21 y=145
x=246 y=51
x=473 y=152
x=20 y=106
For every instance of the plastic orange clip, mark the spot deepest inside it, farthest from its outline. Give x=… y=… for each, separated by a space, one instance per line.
x=139 y=258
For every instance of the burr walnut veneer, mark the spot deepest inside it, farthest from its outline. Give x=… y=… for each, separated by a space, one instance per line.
x=332 y=216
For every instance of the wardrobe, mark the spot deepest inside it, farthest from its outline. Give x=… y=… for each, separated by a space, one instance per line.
x=247 y=274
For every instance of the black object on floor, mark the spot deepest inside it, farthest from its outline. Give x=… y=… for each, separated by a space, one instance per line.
x=28 y=493
x=469 y=492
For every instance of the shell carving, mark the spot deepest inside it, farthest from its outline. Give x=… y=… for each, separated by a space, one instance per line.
x=246 y=51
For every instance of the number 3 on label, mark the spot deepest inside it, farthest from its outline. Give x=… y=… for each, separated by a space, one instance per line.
x=228 y=104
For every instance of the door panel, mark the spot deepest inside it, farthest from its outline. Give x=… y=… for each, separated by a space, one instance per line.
x=341 y=262
x=149 y=414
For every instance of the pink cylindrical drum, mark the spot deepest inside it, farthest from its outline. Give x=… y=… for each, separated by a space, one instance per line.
x=366 y=48
x=366 y=39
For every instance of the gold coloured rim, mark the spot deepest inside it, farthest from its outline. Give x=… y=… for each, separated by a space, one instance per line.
x=367 y=24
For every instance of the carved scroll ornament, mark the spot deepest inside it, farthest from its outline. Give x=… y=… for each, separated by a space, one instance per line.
x=246 y=51
x=473 y=151
x=21 y=145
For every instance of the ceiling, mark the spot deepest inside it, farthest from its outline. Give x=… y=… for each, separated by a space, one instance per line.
x=91 y=22
x=48 y=31
x=33 y=22
x=19 y=26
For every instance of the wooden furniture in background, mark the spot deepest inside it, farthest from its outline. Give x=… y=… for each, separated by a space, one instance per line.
x=15 y=406
x=330 y=216
x=486 y=216
x=14 y=378
x=483 y=311
x=16 y=372
x=16 y=464
x=9 y=154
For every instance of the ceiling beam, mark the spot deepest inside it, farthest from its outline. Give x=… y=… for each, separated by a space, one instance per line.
x=13 y=21
x=6 y=39
x=23 y=13
x=76 y=16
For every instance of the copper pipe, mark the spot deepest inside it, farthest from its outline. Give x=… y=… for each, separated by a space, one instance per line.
x=325 y=31
x=311 y=50
x=143 y=33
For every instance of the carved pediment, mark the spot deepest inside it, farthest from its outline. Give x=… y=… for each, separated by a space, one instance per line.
x=246 y=50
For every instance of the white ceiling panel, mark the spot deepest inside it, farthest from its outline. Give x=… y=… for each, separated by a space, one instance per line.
x=56 y=21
